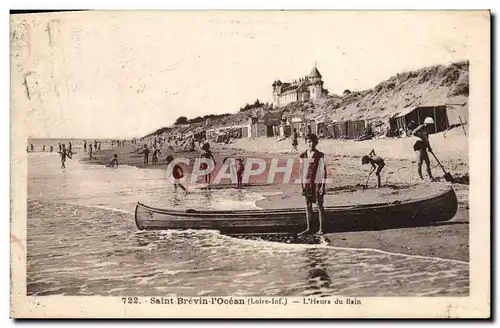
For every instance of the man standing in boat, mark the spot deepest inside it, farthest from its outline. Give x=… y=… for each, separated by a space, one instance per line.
x=313 y=178
x=422 y=145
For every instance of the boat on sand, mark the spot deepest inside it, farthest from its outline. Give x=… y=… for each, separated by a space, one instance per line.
x=438 y=205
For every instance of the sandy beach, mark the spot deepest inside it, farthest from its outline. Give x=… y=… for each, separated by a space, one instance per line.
x=449 y=240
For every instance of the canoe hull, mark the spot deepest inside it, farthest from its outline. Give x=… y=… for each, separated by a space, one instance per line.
x=439 y=207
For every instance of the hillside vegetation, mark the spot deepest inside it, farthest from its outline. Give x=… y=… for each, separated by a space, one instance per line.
x=429 y=86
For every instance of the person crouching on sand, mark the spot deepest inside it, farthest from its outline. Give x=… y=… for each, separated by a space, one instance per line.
x=313 y=186
x=422 y=145
x=177 y=174
x=377 y=164
x=114 y=161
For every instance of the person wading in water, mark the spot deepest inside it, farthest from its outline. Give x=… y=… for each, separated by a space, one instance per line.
x=422 y=145
x=313 y=180
x=64 y=153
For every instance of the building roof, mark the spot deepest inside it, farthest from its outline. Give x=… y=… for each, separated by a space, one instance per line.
x=314 y=73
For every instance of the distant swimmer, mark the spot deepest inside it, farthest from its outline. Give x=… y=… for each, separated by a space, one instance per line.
x=114 y=161
x=377 y=164
x=70 y=147
x=85 y=145
x=51 y=148
x=99 y=146
x=60 y=147
x=43 y=148
x=177 y=173
x=31 y=147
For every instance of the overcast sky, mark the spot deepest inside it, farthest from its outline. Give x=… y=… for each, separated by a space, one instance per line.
x=124 y=74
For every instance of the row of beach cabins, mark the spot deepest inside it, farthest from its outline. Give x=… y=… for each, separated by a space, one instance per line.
x=272 y=125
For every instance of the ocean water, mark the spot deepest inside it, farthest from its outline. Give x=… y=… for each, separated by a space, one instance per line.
x=82 y=240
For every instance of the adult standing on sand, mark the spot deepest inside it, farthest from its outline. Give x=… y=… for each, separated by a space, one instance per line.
x=421 y=145
x=313 y=180
x=206 y=153
x=146 y=152
x=295 y=141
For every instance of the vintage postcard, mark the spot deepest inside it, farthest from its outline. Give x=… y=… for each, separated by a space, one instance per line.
x=250 y=164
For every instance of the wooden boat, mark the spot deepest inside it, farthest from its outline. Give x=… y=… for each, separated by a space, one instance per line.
x=439 y=206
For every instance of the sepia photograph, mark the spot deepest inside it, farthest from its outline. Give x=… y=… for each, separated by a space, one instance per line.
x=250 y=164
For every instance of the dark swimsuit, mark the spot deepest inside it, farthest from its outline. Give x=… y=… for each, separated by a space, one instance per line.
x=312 y=188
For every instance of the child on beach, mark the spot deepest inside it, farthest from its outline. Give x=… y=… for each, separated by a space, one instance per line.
x=177 y=174
x=377 y=163
x=114 y=161
x=313 y=181
x=206 y=153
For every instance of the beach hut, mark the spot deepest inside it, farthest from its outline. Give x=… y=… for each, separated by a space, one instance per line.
x=257 y=127
x=319 y=125
x=401 y=120
x=355 y=129
x=271 y=121
x=297 y=123
x=337 y=130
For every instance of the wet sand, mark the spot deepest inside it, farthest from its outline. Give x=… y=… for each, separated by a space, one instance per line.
x=449 y=240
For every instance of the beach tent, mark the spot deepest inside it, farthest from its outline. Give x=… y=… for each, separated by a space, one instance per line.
x=438 y=113
x=457 y=113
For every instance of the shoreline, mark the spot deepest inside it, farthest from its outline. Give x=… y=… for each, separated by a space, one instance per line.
x=446 y=240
